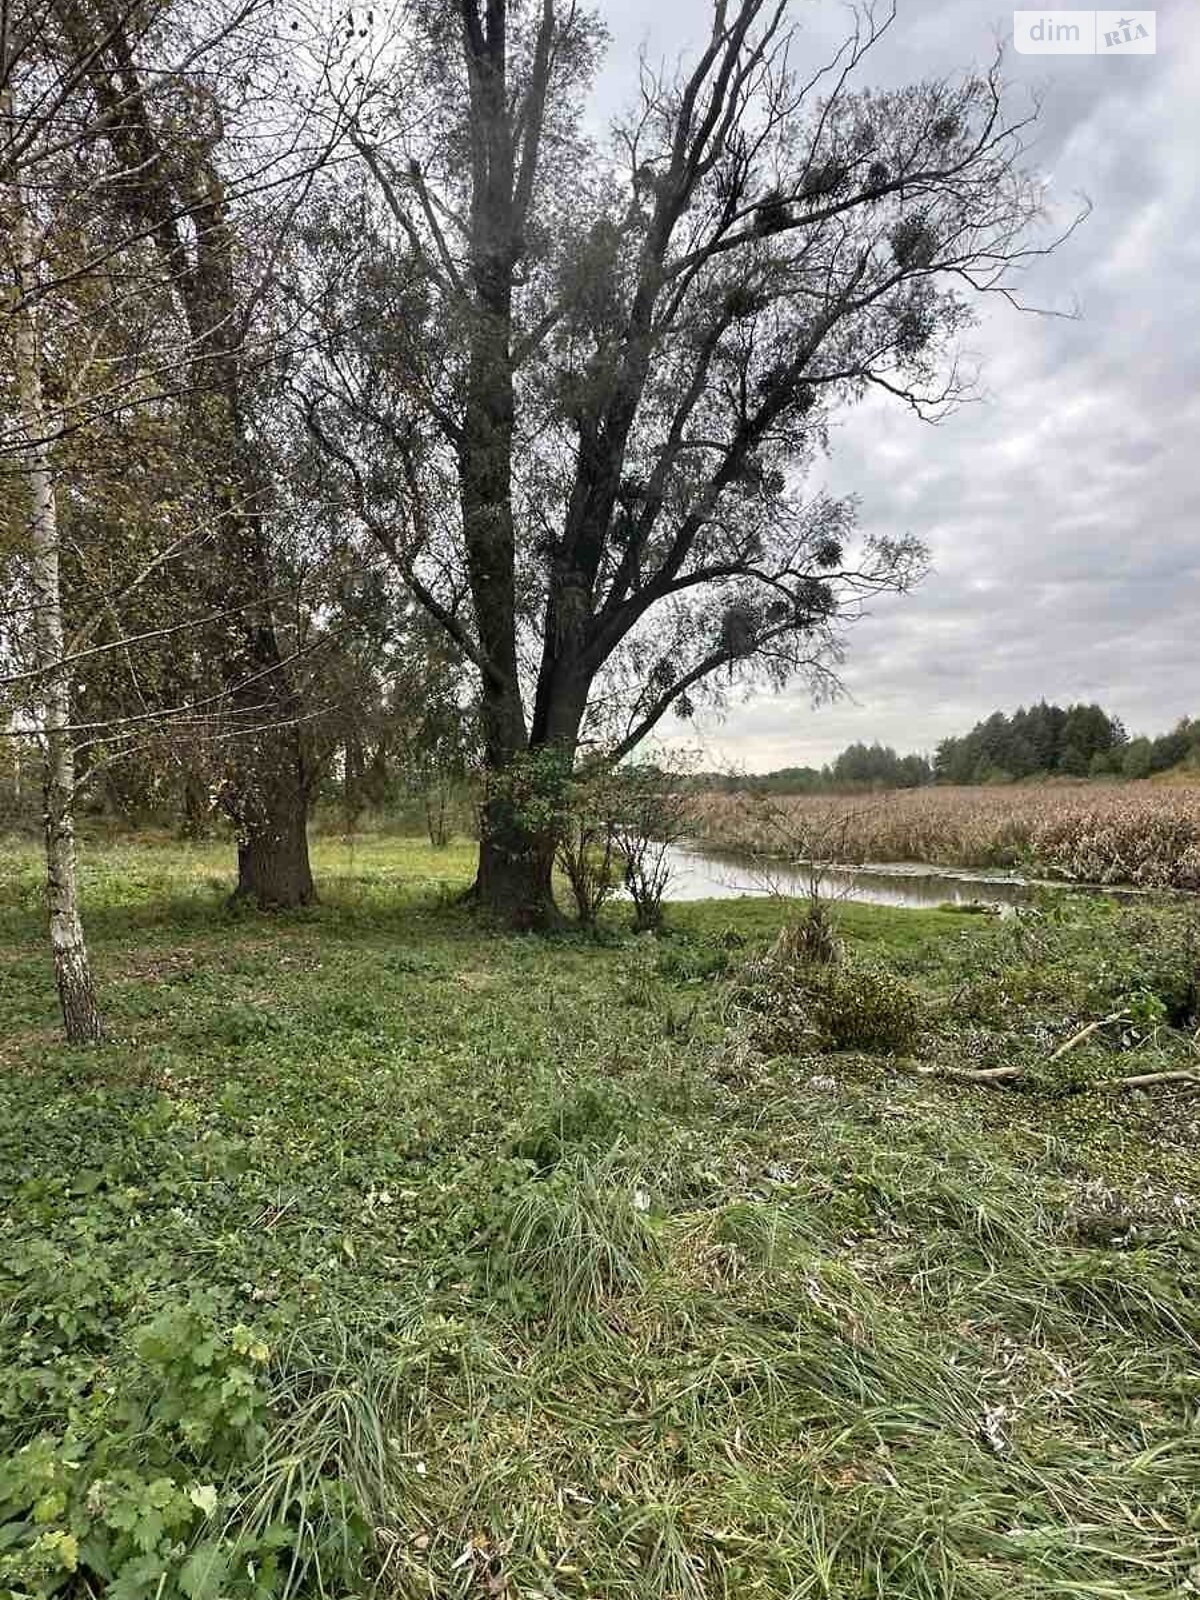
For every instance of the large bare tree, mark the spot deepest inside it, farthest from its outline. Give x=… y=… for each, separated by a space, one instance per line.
x=572 y=389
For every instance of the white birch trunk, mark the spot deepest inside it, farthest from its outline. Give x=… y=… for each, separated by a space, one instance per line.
x=72 y=973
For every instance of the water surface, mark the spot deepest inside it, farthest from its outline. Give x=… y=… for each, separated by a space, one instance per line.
x=701 y=875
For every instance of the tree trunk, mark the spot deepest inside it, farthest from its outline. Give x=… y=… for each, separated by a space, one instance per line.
x=273 y=866
x=266 y=775
x=514 y=881
x=516 y=870
x=516 y=859
x=72 y=972
x=196 y=804
x=517 y=838
x=437 y=801
x=353 y=783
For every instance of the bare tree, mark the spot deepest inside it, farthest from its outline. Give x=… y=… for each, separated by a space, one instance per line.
x=811 y=848
x=587 y=853
x=658 y=813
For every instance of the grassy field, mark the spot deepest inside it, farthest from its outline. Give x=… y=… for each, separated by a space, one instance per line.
x=1109 y=833
x=379 y=1250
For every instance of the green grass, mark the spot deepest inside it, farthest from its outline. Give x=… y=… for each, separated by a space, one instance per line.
x=378 y=1249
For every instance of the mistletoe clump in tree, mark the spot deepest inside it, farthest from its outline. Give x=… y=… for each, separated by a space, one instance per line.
x=573 y=391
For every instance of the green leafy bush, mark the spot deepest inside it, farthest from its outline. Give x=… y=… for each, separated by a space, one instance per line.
x=123 y=1498
x=210 y=1395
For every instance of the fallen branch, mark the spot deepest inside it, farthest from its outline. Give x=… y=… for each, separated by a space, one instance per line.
x=1086 y=1033
x=1014 y=1074
x=998 y=1075
x=975 y=1074
x=1147 y=1080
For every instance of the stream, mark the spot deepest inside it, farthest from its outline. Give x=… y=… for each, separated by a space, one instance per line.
x=700 y=875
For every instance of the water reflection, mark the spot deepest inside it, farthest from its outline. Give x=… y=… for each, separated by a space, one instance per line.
x=698 y=875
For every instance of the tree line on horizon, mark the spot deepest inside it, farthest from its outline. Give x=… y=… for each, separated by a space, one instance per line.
x=1041 y=741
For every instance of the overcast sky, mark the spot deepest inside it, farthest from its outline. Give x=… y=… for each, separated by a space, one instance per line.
x=1062 y=508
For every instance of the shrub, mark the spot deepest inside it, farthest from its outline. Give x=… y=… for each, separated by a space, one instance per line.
x=619 y=826
x=656 y=814
x=811 y=941
x=585 y=856
x=800 y=1008
x=586 y=851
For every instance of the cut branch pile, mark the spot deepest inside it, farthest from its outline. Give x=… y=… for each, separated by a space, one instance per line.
x=1015 y=1072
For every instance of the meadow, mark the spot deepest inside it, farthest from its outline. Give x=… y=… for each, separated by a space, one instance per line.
x=379 y=1252
x=1143 y=834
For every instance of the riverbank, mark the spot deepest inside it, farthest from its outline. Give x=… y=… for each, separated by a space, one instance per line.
x=1110 y=834
x=697 y=873
x=374 y=1244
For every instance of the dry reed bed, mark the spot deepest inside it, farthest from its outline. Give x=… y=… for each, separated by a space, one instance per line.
x=1140 y=834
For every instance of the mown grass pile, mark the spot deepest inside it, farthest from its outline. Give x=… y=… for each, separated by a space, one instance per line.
x=375 y=1250
x=1143 y=834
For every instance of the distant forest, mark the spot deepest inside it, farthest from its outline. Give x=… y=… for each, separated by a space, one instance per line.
x=1040 y=741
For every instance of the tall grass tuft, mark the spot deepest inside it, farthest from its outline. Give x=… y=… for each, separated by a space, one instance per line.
x=571 y=1245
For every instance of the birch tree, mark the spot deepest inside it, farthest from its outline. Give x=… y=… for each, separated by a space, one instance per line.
x=72 y=971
